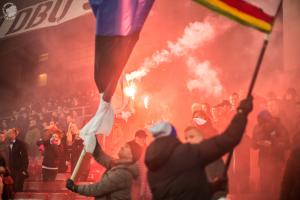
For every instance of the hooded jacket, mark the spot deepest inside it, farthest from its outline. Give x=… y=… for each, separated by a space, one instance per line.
x=290 y=187
x=116 y=182
x=176 y=171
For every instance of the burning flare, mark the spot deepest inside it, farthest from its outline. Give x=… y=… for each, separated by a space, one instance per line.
x=130 y=89
x=146 y=102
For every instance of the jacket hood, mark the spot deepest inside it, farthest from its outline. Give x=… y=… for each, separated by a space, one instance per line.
x=159 y=152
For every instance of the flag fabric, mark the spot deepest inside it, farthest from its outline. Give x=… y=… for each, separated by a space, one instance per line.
x=101 y=123
x=120 y=17
x=259 y=14
x=118 y=24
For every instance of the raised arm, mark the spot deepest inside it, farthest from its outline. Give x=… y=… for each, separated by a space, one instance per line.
x=101 y=157
x=213 y=148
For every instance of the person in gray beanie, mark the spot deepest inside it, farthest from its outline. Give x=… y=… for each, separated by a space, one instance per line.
x=176 y=171
x=117 y=180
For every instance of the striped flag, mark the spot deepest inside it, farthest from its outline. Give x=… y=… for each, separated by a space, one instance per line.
x=118 y=25
x=259 y=14
x=120 y=17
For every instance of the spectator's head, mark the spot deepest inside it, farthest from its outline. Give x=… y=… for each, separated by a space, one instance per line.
x=32 y=123
x=234 y=100
x=52 y=125
x=216 y=112
x=15 y=114
x=2 y=136
x=54 y=114
x=163 y=129
x=61 y=115
x=22 y=109
x=45 y=125
x=74 y=113
x=140 y=137
x=55 y=138
x=66 y=110
x=130 y=151
x=226 y=106
x=265 y=120
x=201 y=118
x=273 y=107
x=193 y=135
x=75 y=101
x=291 y=94
x=59 y=109
x=24 y=115
x=264 y=116
x=12 y=134
x=69 y=119
x=41 y=117
x=74 y=129
x=44 y=109
x=205 y=107
x=33 y=112
x=4 y=124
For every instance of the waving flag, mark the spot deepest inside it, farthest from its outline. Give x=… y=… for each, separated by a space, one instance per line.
x=120 y=17
x=118 y=24
x=259 y=14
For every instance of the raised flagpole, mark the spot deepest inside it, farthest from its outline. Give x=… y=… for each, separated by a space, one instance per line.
x=78 y=164
x=253 y=80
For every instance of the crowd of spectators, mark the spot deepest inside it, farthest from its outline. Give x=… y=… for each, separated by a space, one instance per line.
x=272 y=132
x=50 y=128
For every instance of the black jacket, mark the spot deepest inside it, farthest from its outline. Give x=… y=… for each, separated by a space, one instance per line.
x=291 y=180
x=277 y=135
x=176 y=170
x=18 y=157
x=52 y=154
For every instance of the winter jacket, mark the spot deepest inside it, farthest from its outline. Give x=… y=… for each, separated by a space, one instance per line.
x=277 y=135
x=116 y=182
x=18 y=156
x=176 y=171
x=291 y=180
x=52 y=154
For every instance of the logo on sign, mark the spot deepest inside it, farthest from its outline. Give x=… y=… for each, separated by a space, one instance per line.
x=9 y=11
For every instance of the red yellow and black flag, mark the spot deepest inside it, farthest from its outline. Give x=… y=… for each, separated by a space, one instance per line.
x=259 y=14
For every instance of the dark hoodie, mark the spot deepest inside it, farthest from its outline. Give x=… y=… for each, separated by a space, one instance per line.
x=176 y=170
x=290 y=186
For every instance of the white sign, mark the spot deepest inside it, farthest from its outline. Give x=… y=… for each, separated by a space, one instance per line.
x=40 y=15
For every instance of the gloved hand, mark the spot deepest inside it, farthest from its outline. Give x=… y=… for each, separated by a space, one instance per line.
x=246 y=106
x=71 y=186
